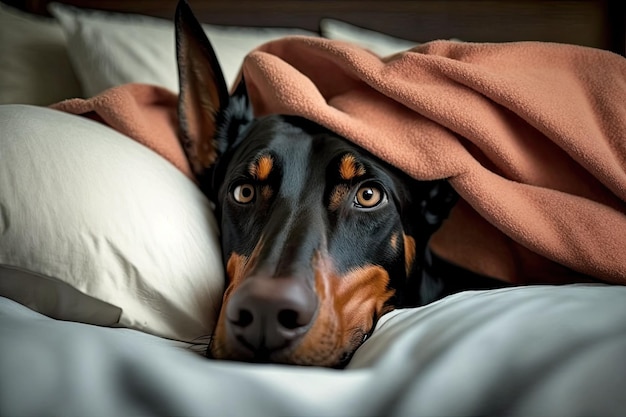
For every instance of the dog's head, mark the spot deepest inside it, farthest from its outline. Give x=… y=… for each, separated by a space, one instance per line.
x=319 y=237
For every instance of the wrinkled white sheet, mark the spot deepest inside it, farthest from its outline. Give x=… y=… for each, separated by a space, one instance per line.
x=533 y=351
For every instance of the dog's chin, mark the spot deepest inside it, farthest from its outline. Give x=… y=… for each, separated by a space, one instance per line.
x=329 y=358
x=281 y=359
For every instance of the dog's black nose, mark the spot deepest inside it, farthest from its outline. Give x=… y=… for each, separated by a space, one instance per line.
x=268 y=314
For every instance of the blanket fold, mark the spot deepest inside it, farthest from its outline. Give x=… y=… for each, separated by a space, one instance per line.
x=531 y=135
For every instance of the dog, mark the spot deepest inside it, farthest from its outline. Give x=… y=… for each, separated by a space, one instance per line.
x=319 y=237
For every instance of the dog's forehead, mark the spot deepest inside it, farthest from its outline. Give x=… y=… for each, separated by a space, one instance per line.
x=289 y=144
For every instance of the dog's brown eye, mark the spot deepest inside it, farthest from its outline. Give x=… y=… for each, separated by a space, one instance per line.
x=243 y=193
x=369 y=196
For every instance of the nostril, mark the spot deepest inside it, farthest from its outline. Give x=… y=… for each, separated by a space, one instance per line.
x=244 y=319
x=289 y=319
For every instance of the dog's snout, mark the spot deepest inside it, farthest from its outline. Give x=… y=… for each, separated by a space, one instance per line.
x=268 y=314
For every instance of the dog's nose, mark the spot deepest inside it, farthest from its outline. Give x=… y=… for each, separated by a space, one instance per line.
x=268 y=314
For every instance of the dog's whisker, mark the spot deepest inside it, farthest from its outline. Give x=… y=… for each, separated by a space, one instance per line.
x=200 y=344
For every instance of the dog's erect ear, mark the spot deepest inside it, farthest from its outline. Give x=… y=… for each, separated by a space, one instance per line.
x=234 y=117
x=435 y=204
x=439 y=201
x=203 y=92
x=432 y=203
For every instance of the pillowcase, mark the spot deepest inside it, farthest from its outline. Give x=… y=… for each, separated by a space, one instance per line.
x=99 y=229
x=109 y=49
x=35 y=67
x=377 y=42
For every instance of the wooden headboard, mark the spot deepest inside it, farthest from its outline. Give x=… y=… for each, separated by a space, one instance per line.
x=596 y=23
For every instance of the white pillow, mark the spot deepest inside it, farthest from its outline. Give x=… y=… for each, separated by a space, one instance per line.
x=99 y=229
x=377 y=42
x=109 y=49
x=35 y=67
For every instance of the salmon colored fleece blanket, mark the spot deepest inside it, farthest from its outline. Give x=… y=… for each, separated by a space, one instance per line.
x=531 y=135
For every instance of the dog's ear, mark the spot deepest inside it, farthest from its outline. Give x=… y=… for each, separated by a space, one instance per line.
x=235 y=116
x=432 y=202
x=203 y=92
x=435 y=200
x=439 y=200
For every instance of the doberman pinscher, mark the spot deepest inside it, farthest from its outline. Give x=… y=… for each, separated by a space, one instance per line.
x=319 y=237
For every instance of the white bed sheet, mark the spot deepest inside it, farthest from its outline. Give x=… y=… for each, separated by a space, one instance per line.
x=532 y=351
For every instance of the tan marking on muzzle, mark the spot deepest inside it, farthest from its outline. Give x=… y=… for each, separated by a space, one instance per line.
x=238 y=267
x=409 y=253
x=393 y=242
x=348 y=305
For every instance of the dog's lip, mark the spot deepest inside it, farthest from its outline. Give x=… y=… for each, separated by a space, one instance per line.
x=280 y=356
x=263 y=348
x=262 y=355
x=246 y=352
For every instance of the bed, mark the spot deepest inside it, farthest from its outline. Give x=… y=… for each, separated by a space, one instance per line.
x=110 y=273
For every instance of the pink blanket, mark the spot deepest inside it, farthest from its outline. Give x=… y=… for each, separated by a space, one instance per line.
x=531 y=135
x=146 y=113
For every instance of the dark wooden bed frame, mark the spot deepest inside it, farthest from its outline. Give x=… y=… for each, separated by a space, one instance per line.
x=596 y=23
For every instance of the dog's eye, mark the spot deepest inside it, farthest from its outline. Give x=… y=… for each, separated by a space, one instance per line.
x=243 y=193
x=369 y=196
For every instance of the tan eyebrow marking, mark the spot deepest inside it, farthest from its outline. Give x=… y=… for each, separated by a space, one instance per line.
x=338 y=196
x=349 y=167
x=261 y=168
